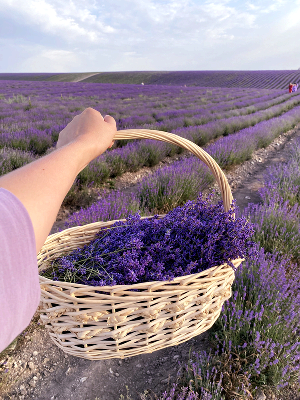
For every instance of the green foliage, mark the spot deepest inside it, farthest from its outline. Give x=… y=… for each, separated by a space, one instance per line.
x=54 y=136
x=19 y=144
x=164 y=191
x=188 y=122
x=94 y=174
x=128 y=397
x=277 y=228
x=79 y=197
x=74 y=109
x=13 y=160
x=69 y=97
x=116 y=165
x=257 y=332
x=201 y=375
x=173 y=149
x=29 y=106
x=122 y=143
x=19 y=98
x=151 y=155
x=283 y=181
x=39 y=145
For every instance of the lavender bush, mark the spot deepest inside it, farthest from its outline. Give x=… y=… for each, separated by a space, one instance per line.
x=200 y=379
x=187 y=393
x=282 y=181
x=173 y=185
x=276 y=226
x=80 y=194
x=111 y=206
x=12 y=159
x=257 y=335
x=255 y=340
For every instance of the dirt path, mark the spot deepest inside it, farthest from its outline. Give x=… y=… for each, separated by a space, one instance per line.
x=85 y=76
x=38 y=369
x=247 y=179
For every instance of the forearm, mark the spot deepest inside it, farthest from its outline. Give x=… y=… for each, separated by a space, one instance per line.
x=43 y=184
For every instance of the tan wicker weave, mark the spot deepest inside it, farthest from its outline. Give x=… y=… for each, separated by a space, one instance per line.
x=117 y=321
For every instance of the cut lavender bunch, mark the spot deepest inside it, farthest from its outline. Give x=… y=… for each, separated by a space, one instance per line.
x=189 y=239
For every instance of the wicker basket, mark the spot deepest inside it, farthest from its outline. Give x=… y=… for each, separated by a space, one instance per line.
x=119 y=322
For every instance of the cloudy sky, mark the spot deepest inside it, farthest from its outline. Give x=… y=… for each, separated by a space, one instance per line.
x=141 y=35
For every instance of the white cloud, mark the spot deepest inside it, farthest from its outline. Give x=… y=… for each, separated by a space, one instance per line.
x=217 y=34
x=274 y=6
x=252 y=7
x=290 y=20
x=129 y=53
x=266 y=6
x=59 y=18
x=93 y=35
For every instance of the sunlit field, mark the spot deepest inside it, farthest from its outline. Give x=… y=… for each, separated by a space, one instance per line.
x=255 y=342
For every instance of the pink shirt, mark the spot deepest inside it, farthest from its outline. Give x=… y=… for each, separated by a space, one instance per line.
x=19 y=279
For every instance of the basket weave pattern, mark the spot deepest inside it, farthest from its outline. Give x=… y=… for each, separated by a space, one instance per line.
x=126 y=320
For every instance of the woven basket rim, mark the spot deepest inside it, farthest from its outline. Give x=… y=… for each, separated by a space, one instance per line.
x=134 y=285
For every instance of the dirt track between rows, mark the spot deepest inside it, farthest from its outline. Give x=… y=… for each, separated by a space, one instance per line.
x=42 y=371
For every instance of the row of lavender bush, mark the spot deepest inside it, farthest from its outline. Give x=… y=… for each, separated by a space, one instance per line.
x=37 y=127
x=118 y=100
x=35 y=132
x=213 y=113
x=140 y=153
x=255 y=342
x=223 y=108
x=239 y=79
x=211 y=79
x=14 y=119
x=173 y=185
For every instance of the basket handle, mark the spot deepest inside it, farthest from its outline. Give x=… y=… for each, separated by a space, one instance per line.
x=188 y=145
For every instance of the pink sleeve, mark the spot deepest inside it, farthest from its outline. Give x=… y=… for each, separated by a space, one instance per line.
x=19 y=280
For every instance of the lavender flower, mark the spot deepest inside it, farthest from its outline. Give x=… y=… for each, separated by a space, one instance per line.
x=187 y=240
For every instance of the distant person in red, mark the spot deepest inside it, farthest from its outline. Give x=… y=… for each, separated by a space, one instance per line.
x=290 y=87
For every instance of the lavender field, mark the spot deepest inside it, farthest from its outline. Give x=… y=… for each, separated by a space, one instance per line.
x=237 y=121
x=229 y=79
x=256 y=341
x=33 y=113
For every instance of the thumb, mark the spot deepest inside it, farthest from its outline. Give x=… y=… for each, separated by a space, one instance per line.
x=110 y=120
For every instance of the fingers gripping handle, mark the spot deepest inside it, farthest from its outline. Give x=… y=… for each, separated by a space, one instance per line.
x=188 y=145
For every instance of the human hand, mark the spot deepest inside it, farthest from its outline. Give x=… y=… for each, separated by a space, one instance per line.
x=91 y=130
